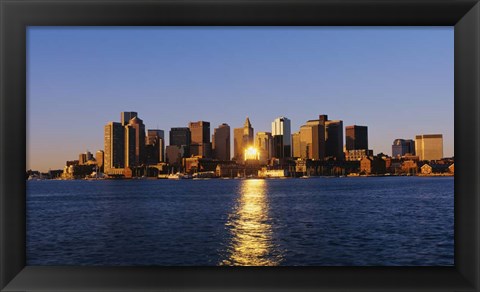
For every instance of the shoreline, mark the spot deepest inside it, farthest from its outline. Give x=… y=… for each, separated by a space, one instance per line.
x=245 y=178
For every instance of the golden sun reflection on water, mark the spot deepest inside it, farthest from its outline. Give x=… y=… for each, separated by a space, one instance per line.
x=251 y=243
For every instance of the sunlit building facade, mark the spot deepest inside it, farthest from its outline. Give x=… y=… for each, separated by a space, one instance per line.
x=296 y=145
x=99 y=158
x=281 y=133
x=264 y=145
x=312 y=140
x=429 y=147
x=242 y=139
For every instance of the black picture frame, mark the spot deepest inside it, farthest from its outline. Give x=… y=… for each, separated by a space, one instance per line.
x=16 y=15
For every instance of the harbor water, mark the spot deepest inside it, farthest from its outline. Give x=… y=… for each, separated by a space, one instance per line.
x=359 y=221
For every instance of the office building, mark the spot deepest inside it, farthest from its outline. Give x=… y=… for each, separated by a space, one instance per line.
x=358 y=154
x=306 y=142
x=264 y=145
x=429 y=147
x=174 y=155
x=99 y=158
x=221 y=142
x=333 y=138
x=200 y=139
x=155 y=145
x=242 y=139
x=125 y=117
x=137 y=124
x=312 y=140
x=281 y=133
x=356 y=137
x=181 y=136
x=200 y=132
x=114 y=155
x=296 y=145
x=82 y=158
x=402 y=147
x=130 y=146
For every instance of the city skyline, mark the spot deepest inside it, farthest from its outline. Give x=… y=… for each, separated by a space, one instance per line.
x=68 y=123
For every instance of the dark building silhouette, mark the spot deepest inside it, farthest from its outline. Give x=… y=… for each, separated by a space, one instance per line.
x=137 y=124
x=333 y=138
x=130 y=146
x=181 y=137
x=200 y=139
x=221 y=142
x=356 y=137
x=401 y=147
x=155 y=145
x=114 y=144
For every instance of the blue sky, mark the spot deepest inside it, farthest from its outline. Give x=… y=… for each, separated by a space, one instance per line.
x=398 y=81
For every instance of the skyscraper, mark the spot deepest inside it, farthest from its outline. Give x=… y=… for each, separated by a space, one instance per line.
x=114 y=155
x=155 y=145
x=333 y=138
x=264 y=144
x=137 y=124
x=221 y=142
x=200 y=139
x=130 y=146
x=243 y=138
x=281 y=134
x=99 y=157
x=312 y=140
x=306 y=142
x=356 y=137
x=181 y=137
x=429 y=147
x=296 y=145
x=125 y=117
x=401 y=147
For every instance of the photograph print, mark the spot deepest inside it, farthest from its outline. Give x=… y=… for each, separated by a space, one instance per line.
x=240 y=146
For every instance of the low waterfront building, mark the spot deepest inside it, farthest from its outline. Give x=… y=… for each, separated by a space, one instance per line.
x=228 y=169
x=409 y=167
x=357 y=155
x=372 y=165
x=198 y=164
x=75 y=171
x=451 y=168
x=434 y=168
x=272 y=173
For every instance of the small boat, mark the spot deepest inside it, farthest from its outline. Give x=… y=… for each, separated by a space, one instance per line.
x=178 y=175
